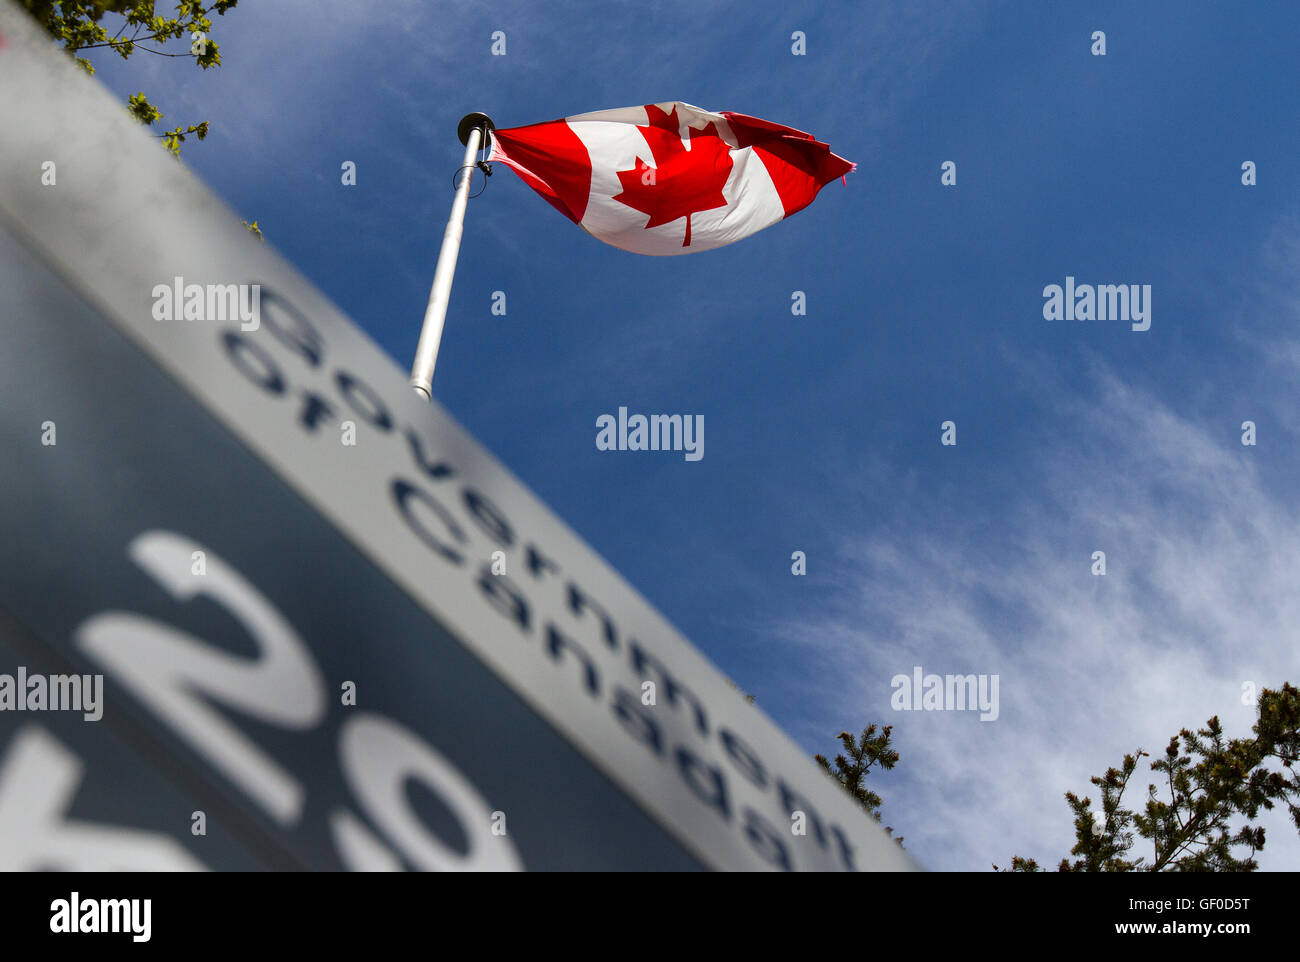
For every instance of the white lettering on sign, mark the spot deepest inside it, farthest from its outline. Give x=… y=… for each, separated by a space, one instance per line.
x=38 y=781
x=177 y=675
x=174 y=674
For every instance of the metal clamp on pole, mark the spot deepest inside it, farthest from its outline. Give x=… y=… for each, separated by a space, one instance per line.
x=474 y=130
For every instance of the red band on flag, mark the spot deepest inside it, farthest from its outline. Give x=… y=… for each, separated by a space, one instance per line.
x=798 y=163
x=554 y=148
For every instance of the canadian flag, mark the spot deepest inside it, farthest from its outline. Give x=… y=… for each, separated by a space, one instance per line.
x=669 y=178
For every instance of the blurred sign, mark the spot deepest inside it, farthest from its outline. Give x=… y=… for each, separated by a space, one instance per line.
x=329 y=630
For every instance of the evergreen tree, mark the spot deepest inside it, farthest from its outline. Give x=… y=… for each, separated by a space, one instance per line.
x=852 y=765
x=1207 y=782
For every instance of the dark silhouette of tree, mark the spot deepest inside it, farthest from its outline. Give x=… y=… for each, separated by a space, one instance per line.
x=852 y=765
x=1207 y=782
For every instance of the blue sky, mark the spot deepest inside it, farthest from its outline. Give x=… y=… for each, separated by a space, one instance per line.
x=924 y=305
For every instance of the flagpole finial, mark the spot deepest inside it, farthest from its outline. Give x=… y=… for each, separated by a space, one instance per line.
x=475 y=121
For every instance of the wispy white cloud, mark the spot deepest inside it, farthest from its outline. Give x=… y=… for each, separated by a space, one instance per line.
x=1200 y=597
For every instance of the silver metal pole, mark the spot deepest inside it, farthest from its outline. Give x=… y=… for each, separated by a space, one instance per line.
x=472 y=129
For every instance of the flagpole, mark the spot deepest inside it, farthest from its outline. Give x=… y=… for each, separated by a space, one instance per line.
x=473 y=130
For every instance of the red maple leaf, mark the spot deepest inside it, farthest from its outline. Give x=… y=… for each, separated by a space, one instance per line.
x=684 y=182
